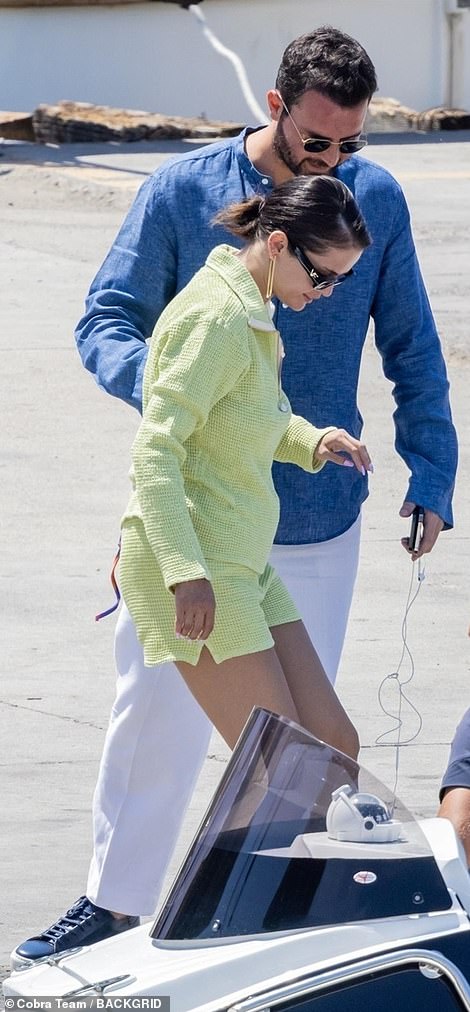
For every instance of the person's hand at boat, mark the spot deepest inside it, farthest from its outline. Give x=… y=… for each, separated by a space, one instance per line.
x=336 y=443
x=195 y=609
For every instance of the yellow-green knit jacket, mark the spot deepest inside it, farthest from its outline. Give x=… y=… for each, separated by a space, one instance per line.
x=214 y=419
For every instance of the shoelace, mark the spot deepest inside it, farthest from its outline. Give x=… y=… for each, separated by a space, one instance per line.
x=74 y=918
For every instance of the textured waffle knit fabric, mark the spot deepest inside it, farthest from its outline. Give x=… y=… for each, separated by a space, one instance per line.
x=215 y=417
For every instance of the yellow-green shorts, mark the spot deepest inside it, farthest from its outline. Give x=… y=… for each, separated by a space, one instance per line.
x=247 y=606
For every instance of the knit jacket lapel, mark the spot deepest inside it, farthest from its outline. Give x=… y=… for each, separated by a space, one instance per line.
x=223 y=261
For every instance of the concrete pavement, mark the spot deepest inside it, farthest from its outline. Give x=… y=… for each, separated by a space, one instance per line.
x=65 y=457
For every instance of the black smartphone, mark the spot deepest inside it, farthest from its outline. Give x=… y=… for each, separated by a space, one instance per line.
x=416 y=530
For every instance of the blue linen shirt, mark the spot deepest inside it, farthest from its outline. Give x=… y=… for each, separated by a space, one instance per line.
x=167 y=236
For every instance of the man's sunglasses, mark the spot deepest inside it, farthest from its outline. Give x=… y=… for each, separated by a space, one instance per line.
x=315 y=145
x=319 y=280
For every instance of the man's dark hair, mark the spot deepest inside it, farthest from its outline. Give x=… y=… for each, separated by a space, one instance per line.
x=330 y=62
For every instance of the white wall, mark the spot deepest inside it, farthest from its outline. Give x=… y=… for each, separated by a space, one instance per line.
x=154 y=56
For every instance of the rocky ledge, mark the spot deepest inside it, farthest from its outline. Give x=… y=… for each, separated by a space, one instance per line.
x=80 y=122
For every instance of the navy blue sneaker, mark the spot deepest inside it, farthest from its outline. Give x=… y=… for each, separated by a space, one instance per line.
x=83 y=924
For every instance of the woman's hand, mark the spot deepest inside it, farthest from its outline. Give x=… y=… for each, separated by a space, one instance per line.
x=195 y=609
x=336 y=443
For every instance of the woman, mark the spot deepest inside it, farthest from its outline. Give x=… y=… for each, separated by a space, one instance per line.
x=200 y=524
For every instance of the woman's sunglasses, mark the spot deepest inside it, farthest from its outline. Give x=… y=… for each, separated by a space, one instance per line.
x=319 y=280
x=315 y=145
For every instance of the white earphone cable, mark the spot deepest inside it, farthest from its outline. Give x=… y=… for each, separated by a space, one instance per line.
x=384 y=738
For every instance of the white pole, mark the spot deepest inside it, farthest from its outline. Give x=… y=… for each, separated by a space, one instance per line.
x=235 y=60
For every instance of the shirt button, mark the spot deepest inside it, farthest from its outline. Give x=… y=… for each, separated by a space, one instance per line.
x=265 y=181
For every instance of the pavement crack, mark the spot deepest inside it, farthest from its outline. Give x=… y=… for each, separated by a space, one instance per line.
x=49 y=713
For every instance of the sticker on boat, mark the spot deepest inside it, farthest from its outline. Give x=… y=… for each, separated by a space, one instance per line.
x=364 y=878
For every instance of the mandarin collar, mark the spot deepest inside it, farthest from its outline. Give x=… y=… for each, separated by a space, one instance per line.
x=260 y=181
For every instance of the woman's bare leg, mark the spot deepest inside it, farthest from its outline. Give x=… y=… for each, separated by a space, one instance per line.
x=315 y=700
x=228 y=692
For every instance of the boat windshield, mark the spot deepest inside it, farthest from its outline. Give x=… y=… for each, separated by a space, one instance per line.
x=297 y=836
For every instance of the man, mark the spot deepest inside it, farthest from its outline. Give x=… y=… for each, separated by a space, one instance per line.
x=158 y=737
x=455 y=787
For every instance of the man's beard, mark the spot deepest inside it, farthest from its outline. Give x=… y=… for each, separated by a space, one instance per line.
x=309 y=166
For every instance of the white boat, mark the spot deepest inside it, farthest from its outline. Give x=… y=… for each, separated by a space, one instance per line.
x=308 y=888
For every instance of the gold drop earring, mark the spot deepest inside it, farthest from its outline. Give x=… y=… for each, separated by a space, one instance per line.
x=270 y=279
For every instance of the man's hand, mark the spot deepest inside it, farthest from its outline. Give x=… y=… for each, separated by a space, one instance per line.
x=432 y=527
x=195 y=609
x=336 y=443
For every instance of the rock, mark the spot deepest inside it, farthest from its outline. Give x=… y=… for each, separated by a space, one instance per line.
x=387 y=115
x=70 y=122
x=75 y=122
x=16 y=126
x=441 y=118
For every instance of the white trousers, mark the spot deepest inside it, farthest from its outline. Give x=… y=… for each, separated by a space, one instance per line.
x=158 y=736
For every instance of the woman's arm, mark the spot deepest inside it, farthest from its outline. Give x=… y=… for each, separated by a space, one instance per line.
x=310 y=448
x=199 y=363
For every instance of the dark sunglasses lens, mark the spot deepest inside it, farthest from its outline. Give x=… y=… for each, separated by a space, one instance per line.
x=323 y=281
x=327 y=284
x=336 y=280
x=315 y=147
x=350 y=147
x=346 y=147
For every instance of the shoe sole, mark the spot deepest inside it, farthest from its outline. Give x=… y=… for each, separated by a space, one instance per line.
x=19 y=963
